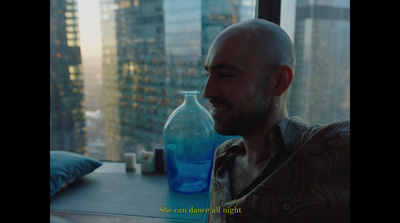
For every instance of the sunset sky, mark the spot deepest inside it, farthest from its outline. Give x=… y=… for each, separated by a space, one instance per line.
x=89 y=25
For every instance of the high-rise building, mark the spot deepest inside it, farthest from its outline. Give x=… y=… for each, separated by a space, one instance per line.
x=141 y=73
x=320 y=90
x=67 y=110
x=152 y=50
x=110 y=78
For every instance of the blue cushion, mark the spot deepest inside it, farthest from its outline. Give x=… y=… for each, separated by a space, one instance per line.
x=65 y=167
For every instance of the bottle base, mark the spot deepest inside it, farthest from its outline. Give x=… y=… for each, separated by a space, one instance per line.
x=189 y=186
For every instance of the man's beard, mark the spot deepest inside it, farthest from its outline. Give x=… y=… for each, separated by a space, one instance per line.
x=245 y=123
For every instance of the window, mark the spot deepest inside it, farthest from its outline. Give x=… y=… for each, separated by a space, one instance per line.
x=116 y=99
x=320 y=30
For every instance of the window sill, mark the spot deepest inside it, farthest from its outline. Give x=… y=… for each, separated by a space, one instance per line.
x=111 y=193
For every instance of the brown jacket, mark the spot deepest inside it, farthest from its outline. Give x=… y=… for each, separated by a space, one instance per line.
x=307 y=178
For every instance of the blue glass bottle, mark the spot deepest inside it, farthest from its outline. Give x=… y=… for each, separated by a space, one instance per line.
x=189 y=142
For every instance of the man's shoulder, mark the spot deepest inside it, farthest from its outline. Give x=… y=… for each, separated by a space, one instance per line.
x=340 y=130
x=332 y=135
x=339 y=126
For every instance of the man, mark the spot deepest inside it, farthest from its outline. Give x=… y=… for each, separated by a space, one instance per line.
x=281 y=169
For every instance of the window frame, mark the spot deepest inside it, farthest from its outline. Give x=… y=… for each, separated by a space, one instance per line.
x=269 y=10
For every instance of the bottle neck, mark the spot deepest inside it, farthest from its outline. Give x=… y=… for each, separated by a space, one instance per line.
x=190 y=97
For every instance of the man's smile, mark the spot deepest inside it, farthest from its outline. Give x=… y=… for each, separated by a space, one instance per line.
x=219 y=107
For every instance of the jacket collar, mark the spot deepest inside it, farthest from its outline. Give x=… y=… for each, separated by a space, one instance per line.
x=288 y=131
x=291 y=130
x=283 y=137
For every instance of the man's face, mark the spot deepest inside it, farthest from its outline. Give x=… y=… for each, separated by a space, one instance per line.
x=236 y=86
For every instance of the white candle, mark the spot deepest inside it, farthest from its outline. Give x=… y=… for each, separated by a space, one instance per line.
x=130 y=161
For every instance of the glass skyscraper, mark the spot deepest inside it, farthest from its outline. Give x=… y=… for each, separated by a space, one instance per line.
x=152 y=50
x=67 y=110
x=320 y=90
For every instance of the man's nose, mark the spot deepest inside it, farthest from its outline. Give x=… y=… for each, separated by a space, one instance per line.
x=211 y=88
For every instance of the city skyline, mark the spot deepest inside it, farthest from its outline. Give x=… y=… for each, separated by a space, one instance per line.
x=90 y=33
x=152 y=50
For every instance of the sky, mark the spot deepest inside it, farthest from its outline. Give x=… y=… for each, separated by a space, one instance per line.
x=89 y=27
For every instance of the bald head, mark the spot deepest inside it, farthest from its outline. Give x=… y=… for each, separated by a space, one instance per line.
x=268 y=41
x=250 y=66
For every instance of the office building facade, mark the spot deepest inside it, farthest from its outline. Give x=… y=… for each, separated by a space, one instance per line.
x=320 y=90
x=67 y=109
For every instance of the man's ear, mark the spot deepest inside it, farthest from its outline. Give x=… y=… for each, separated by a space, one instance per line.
x=283 y=78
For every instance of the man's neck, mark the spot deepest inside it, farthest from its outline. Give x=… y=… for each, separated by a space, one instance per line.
x=257 y=145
